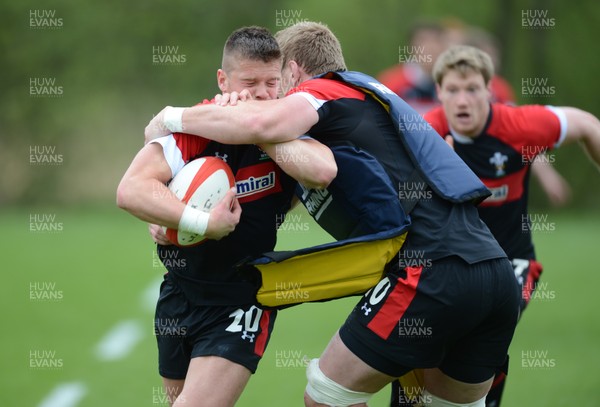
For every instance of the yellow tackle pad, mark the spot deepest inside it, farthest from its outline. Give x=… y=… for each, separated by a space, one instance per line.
x=327 y=273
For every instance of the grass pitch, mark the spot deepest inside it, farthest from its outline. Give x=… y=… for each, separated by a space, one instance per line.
x=74 y=276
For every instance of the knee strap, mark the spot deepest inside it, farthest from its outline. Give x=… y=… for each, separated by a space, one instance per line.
x=434 y=401
x=323 y=390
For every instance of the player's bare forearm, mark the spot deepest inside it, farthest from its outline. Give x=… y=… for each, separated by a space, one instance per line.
x=152 y=202
x=252 y=122
x=143 y=193
x=306 y=160
x=592 y=144
x=585 y=128
x=554 y=185
x=142 y=190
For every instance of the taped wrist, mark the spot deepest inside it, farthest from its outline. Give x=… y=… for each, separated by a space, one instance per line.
x=194 y=220
x=172 y=118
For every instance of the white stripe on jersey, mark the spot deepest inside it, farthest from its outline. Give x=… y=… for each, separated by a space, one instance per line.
x=562 y=118
x=316 y=103
x=171 y=152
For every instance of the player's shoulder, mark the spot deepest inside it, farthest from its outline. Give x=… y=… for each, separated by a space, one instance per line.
x=391 y=73
x=437 y=119
x=328 y=89
x=189 y=139
x=189 y=145
x=510 y=120
x=533 y=125
x=395 y=78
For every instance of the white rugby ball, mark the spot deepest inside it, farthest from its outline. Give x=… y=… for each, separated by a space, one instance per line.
x=201 y=184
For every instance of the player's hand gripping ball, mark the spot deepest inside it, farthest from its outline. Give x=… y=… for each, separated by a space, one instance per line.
x=201 y=184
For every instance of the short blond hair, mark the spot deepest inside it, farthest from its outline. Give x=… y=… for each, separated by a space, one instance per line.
x=464 y=59
x=313 y=46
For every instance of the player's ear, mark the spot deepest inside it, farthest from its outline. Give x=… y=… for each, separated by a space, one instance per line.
x=295 y=70
x=222 y=80
x=292 y=65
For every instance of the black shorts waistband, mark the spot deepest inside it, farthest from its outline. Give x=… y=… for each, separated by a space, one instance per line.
x=215 y=293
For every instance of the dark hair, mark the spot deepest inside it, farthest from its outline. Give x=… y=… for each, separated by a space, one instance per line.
x=253 y=43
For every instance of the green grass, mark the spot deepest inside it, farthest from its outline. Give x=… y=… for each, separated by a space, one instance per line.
x=563 y=321
x=101 y=262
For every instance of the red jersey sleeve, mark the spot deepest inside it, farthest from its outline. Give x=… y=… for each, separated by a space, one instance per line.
x=531 y=129
x=190 y=146
x=180 y=148
x=395 y=79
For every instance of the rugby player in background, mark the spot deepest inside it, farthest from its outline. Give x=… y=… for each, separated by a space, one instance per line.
x=412 y=80
x=499 y=143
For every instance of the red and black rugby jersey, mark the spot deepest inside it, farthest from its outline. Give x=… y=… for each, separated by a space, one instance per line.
x=264 y=192
x=501 y=156
x=439 y=228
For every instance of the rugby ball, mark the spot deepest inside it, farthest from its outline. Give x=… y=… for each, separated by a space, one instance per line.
x=201 y=184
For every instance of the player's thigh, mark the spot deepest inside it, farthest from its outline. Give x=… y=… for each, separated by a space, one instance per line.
x=342 y=366
x=447 y=388
x=213 y=381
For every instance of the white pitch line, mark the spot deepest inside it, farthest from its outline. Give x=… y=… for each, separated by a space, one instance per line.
x=116 y=344
x=65 y=395
x=120 y=340
x=150 y=294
